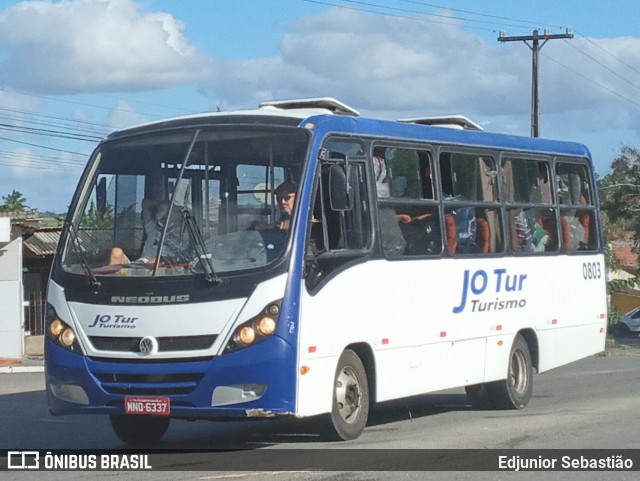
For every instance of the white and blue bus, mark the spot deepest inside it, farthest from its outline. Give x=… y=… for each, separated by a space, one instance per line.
x=415 y=258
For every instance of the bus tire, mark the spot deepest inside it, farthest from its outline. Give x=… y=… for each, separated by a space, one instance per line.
x=515 y=391
x=479 y=396
x=139 y=429
x=350 y=406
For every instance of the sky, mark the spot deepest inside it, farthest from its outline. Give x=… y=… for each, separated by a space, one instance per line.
x=71 y=71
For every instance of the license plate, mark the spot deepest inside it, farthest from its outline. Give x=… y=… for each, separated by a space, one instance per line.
x=151 y=406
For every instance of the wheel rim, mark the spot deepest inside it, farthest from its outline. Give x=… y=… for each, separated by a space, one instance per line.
x=348 y=395
x=518 y=372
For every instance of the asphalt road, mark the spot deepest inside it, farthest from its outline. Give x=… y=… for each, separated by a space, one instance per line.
x=590 y=404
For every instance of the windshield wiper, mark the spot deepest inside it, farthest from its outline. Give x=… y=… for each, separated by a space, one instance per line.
x=192 y=227
x=163 y=233
x=78 y=249
x=200 y=247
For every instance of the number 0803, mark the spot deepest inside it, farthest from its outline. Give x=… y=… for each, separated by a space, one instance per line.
x=591 y=270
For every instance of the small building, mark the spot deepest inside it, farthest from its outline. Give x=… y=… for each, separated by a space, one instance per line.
x=626 y=254
x=11 y=292
x=26 y=255
x=38 y=251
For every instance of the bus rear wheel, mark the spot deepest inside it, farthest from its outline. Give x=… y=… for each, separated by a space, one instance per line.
x=515 y=391
x=138 y=429
x=350 y=406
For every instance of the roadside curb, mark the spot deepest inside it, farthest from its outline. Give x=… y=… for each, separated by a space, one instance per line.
x=26 y=364
x=18 y=369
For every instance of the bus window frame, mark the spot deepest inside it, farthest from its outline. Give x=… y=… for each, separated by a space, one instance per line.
x=496 y=205
x=592 y=207
x=508 y=205
x=337 y=259
x=434 y=203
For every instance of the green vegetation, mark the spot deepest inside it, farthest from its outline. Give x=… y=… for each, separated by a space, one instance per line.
x=13 y=202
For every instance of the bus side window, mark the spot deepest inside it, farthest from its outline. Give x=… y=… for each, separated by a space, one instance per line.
x=407 y=216
x=338 y=234
x=532 y=229
x=577 y=212
x=472 y=214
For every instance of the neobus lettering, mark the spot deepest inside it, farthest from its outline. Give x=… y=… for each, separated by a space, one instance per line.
x=149 y=299
x=479 y=281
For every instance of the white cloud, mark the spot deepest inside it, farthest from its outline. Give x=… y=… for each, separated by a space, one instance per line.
x=75 y=46
x=400 y=67
x=381 y=64
x=122 y=115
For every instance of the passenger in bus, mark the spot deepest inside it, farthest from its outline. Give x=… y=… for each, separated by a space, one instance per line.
x=285 y=197
x=380 y=173
x=154 y=217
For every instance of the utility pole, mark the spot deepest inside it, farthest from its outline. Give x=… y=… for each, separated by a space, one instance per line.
x=535 y=47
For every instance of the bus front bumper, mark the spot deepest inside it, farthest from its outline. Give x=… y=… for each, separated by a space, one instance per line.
x=258 y=381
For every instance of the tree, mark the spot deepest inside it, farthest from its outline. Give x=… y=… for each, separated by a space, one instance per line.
x=620 y=189
x=620 y=204
x=13 y=202
x=98 y=218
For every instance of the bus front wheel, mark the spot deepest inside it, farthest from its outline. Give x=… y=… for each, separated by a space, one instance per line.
x=139 y=429
x=350 y=406
x=515 y=391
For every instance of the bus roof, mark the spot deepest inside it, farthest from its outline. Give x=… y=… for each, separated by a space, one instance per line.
x=330 y=115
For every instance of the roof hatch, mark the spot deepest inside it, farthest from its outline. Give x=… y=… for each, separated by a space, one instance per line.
x=451 y=121
x=326 y=103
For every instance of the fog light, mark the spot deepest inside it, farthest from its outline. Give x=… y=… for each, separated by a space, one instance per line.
x=70 y=393
x=238 y=393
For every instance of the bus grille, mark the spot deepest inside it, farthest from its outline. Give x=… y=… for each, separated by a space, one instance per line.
x=149 y=384
x=165 y=344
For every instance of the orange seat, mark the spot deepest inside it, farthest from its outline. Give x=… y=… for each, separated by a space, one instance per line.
x=451 y=235
x=482 y=235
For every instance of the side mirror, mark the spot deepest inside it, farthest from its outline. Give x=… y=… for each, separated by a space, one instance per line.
x=340 y=187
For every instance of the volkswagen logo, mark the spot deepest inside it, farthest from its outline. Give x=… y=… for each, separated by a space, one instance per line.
x=148 y=345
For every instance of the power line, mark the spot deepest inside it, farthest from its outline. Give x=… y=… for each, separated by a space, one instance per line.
x=527 y=24
x=406 y=17
x=84 y=104
x=43 y=147
x=49 y=133
x=44 y=159
x=611 y=71
x=480 y=14
x=604 y=87
x=590 y=57
x=608 y=53
x=52 y=120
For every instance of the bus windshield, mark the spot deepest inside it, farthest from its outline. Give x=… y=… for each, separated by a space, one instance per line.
x=186 y=201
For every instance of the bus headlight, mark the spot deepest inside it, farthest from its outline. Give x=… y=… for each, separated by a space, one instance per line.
x=265 y=325
x=256 y=329
x=60 y=332
x=56 y=327
x=245 y=336
x=67 y=338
